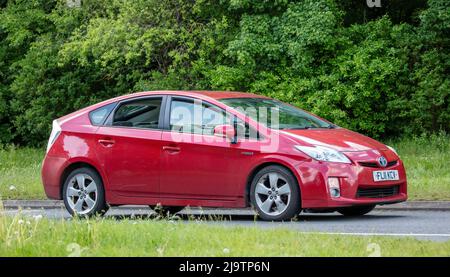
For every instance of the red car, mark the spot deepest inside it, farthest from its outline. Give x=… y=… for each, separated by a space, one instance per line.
x=215 y=149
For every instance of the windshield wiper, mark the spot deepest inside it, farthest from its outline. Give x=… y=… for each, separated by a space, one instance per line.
x=311 y=127
x=298 y=128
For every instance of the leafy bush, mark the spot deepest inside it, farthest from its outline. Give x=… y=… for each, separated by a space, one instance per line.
x=93 y=52
x=381 y=75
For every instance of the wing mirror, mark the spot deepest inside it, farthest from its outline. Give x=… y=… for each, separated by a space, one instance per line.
x=225 y=131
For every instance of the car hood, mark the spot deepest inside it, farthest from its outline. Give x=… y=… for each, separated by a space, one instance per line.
x=340 y=139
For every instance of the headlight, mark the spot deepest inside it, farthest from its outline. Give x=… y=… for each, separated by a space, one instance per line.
x=392 y=149
x=322 y=153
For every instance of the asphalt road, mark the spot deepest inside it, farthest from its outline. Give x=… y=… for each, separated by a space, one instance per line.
x=426 y=225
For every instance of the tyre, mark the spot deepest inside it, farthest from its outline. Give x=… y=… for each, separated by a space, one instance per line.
x=275 y=194
x=356 y=210
x=166 y=210
x=84 y=194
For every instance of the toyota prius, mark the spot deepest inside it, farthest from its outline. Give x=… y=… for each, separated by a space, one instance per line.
x=174 y=149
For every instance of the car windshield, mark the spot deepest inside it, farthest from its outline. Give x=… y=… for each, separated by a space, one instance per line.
x=276 y=114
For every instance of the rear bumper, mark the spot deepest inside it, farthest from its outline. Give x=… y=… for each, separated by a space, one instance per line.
x=52 y=169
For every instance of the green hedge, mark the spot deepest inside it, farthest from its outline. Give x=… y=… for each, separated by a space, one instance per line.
x=383 y=75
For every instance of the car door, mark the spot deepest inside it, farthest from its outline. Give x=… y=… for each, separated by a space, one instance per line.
x=194 y=163
x=129 y=145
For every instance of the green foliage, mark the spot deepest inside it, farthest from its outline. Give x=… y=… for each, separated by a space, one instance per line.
x=21 y=23
x=96 y=51
x=383 y=75
x=432 y=98
x=364 y=88
x=379 y=78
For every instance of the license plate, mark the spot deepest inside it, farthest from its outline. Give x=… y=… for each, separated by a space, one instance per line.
x=385 y=175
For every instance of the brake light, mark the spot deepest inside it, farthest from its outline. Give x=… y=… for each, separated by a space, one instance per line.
x=56 y=130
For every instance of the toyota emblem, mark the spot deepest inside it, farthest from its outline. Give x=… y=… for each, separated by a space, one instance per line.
x=382 y=161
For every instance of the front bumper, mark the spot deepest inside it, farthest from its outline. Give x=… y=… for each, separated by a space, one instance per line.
x=313 y=177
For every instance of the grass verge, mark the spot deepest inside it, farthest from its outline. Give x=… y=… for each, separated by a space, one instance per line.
x=36 y=236
x=426 y=159
x=20 y=173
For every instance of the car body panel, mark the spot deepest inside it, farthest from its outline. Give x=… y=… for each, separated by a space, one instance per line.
x=340 y=139
x=132 y=162
x=69 y=149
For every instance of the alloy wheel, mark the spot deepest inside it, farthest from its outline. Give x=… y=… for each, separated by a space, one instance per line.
x=82 y=193
x=272 y=193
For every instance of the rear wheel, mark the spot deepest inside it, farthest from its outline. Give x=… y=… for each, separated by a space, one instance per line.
x=83 y=193
x=275 y=193
x=356 y=210
x=166 y=210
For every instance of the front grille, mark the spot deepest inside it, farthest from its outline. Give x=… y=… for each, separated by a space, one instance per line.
x=375 y=165
x=379 y=192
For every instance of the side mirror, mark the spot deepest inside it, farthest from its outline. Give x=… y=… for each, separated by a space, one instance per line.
x=225 y=131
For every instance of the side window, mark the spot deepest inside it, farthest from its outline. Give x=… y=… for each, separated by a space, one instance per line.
x=212 y=116
x=245 y=131
x=187 y=116
x=143 y=113
x=98 y=116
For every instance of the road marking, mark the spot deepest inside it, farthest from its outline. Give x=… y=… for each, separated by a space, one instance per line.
x=384 y=234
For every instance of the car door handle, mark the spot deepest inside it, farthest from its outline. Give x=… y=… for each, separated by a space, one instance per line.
x=171 y=149
x=106 y=142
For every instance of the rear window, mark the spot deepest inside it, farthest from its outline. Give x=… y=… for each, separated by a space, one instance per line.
x=98 y=116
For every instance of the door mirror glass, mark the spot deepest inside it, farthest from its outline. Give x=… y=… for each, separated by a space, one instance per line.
x=224 y=131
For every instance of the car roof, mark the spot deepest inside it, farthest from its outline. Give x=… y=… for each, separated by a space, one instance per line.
x=211 y=94
x=217 y=95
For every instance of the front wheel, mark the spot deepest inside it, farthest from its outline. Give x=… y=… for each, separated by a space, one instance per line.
x=275 y=194
x=83 y=193
x=356 y=210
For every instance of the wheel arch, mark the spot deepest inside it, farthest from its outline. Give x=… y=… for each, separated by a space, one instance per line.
x=259 y=167
x=73 y=166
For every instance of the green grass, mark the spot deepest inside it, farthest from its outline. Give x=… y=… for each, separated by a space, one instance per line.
x=26 y=236
x=427 y=161
x=20 y=173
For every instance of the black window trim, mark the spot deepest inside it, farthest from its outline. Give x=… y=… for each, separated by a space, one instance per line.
x=109 y=120
x=106 y=117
